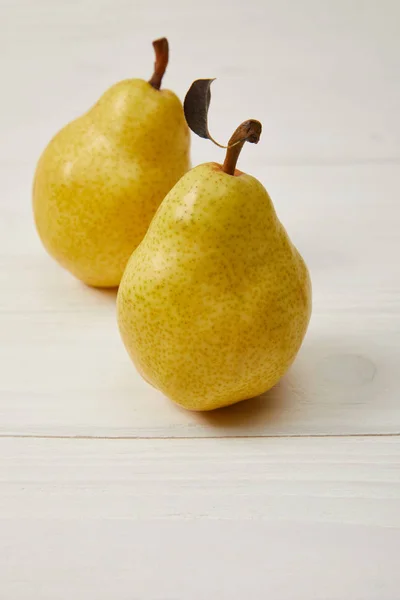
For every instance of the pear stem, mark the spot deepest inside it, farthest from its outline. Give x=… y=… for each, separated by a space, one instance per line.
x=248 y=131
x=161 y=50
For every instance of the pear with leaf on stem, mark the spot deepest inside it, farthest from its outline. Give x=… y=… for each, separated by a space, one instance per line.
x=215 y=302
x=101 y=178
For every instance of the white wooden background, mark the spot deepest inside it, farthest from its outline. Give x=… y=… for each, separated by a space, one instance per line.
x=106 y=489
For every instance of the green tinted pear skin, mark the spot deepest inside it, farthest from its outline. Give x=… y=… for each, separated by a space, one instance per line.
x=215 y=301
x=101 y=178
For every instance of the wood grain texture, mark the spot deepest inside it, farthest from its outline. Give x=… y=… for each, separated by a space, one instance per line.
x=178 y=519
x=321 y=76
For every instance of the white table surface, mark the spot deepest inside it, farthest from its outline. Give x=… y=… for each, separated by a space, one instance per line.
x=108 y=490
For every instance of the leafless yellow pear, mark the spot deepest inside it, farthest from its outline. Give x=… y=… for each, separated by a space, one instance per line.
x=215 y=302
x=101 y=178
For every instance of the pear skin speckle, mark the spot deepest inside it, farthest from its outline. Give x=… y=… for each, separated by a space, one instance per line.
x=215 y=301
x=101 y=179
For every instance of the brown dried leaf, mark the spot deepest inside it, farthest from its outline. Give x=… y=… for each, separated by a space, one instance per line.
x=196 y=105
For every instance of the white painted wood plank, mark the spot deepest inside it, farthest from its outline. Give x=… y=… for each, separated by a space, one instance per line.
x=321 y=76
x=140 y=560
x=295 y=519
x=64 y=370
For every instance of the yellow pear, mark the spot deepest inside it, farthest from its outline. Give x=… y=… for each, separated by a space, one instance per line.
x=215 y=302
x=101 y=178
